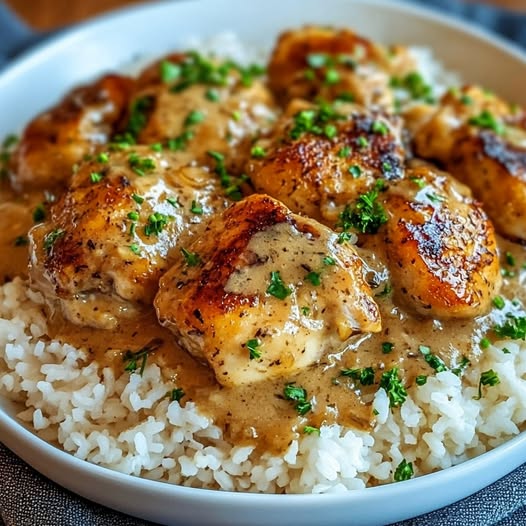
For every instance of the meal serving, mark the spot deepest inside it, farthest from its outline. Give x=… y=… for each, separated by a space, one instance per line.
x=307 y=276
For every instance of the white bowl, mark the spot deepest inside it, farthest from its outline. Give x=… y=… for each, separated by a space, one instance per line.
x=40 y=77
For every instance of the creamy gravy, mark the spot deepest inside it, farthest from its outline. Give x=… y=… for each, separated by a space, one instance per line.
x=259 y=411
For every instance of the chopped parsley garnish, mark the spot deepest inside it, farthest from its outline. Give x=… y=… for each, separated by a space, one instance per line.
x=394 y=388
x=385 y=292
x=435 y=198
x=466 y=100
x=212 y=95
x=103 y=157
x=258 y=152
x=415 y=85
x=329 y=261
x=180 y=142
x=139 y=111
x=355 y=171
x=362 y=142
x=277 y=288
x=488 y=378
x=51 y=238
x=514 y=328
x=332 y=77
x=345 y=151
x=134 y=216
x=156 y=223
x=253 y=348
x=345 y=97
x=141 y=165
x=21 y=241
x=366 y=215
x=194 y=117
x=169 y=71
x=432 y=360
x=134 y=247
x=380 y=128
x=39 y=213
x=418 y=181
x=305 y=311
x=232 y=185
x=421 y=379
x=498 y=302
x=315 y=121
x=5 y=153
x=464 y=363
x=484 y=343
x=311 y=430
x=365 y=376
x=298 y=395
x=137 y=360
x=510 y=259
x=486 y=119
x=387 y=347
x=176 y=395
x=404 y=471
x=196 y=208
x=156 y=147
x=96 y=177
x=138 y=199
x=314 y=278
x=192 y=259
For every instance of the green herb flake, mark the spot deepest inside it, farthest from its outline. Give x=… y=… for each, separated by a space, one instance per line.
x=51 y=238
x=156 y=147
x=418 y=181
x=138 y=199
x=137 y=360
x=514 y=328
x=196 y=208
x=510 y=259
x=487 y=378
x=345 y=151
x=194 y=117
x=315 y=121
x=365 y=216
x=362 y=142
x=466 y=100
x=365 y=376
x=355 y=171
x=332 y=77
x=134 y=247
x=277 y=288
x=103 y=157
x=431 y=359
x=212 y=95
x=39 y=213
x=141 y=165
x=329 y=261
x=253 y=347
x=379 y=128
x=299 y=396
x=96 y=177
x=173 y=201
x=305 y=311
x=169 y=71
x=345 y=97
x=176 y=395
x=156 y=224
x=313 y=278
x=421 y=379
x=404 y=471
x=311 y=430
x=192 y=259
x=464 y=363
x=258 y=152
x=484 y=343
x=498 y=302
x=387 y=347
x=134 y=216
x=487 y=120
x=391 y=382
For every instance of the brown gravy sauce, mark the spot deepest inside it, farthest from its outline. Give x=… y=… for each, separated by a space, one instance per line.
x=258 y=414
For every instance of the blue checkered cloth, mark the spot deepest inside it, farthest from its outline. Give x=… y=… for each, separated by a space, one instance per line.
x=29 y=499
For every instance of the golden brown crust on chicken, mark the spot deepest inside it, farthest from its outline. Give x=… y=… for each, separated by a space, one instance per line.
x=318 y=173
x=111 y=235
x=441 y=246
x=266 y=275
x=323 y=62
x=57 y=139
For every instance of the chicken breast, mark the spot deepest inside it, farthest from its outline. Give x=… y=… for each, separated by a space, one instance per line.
x=319 y=158
x=112 y=234
x=320 y=62
x=440 y=246
x=59 y=138
x=194 y=105
x=264 y=292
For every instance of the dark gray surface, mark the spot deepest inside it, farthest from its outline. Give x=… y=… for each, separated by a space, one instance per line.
x=29 y=499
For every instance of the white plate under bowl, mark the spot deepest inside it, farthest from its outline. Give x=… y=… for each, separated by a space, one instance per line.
x=40 y=77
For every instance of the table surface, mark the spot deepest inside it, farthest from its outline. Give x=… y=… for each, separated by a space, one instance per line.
x=48 y=14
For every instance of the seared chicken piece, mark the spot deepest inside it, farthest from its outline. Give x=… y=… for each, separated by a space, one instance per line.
x=264 y=292
x=321 y=157
x=195 y=106
x=59 y=138
x=494 y=167
x=322 y=62
x=440 y=245
x=113 y=233
x=481 y=141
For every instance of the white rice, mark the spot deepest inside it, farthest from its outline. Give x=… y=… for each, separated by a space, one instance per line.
x=127 y=424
